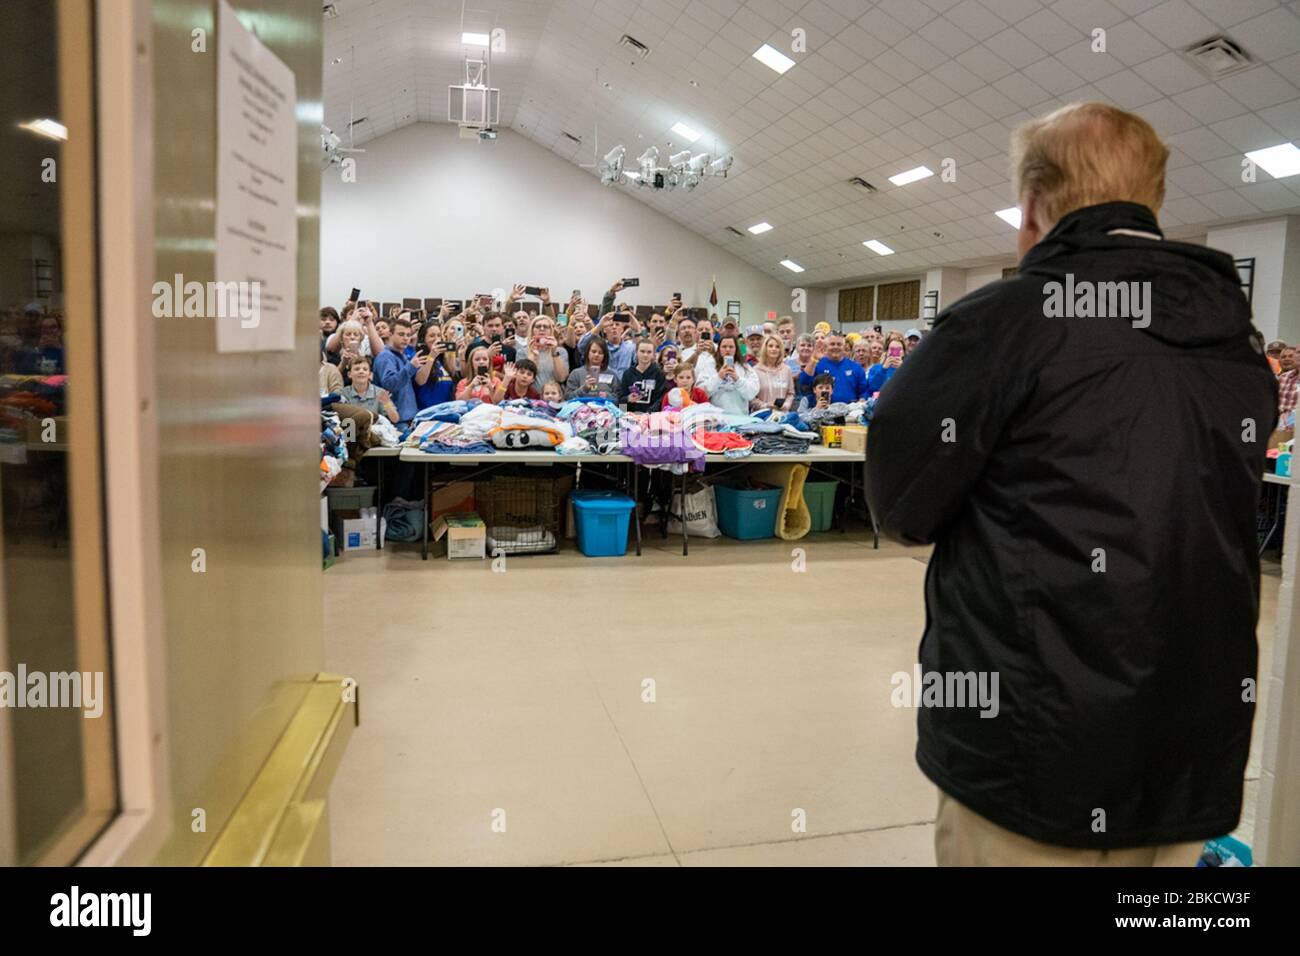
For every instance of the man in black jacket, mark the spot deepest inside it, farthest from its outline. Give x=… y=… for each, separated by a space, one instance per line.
x=1083 y=443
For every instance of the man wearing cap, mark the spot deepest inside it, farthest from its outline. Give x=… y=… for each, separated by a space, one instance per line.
x=753 y=344
x=913 y=339
x=1274 y=355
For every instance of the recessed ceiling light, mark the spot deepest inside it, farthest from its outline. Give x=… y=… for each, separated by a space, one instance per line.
x=792 y=266
x=759 y=228
x=770 y=56
x=1010 y=216
x=911 y=176
x=474 y=39
x=47 y=127
x=684 y=131
x=1277 y=161
x=878 y=247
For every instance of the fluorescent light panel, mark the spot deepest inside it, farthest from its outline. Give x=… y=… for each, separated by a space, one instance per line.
x=47 y=127
x=792 y=266
x=1010 y=216
x=1278 y=161
x=911 y=176
x=878 y=247
x=759 y=228
x=772 y=57
x=684 y=131
x=474 y=39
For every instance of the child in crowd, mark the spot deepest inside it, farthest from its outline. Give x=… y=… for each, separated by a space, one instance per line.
x=822 y=387
x=518 y=382
x=479 y=382
x=553 y=395
x=363 y=393
x=684 y=379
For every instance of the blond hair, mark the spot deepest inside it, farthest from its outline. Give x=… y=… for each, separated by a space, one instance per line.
x=762 y=352
x=1085 y=154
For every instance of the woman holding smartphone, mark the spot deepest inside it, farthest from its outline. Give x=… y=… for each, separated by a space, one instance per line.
x=735 y=385
x=775 y=380
x=433 y=383
x=878 y=375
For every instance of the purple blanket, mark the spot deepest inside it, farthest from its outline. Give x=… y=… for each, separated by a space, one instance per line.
x=661 y=447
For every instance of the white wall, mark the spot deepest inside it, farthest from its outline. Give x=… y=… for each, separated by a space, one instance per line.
x=1267 y=242
x=433 y=215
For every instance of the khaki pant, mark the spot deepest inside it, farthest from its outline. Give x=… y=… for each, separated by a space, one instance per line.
x=964 y=838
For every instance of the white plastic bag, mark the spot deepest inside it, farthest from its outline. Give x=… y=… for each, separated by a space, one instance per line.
x=700 y=512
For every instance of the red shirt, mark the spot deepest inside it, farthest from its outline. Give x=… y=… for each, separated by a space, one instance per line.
x=698 y=395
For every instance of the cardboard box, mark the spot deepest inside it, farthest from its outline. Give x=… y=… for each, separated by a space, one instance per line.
x=457 y=497
x=831 y=435
x=854 y=438
x=355 y=530
x=466 y=535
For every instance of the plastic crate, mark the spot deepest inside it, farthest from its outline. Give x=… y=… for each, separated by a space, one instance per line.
x=351 y=499
x=745 y=514
x=602 y=518
x=819 y=496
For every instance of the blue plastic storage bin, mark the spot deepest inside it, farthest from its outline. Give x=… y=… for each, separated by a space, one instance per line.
x=747 y=515
x=602 y=518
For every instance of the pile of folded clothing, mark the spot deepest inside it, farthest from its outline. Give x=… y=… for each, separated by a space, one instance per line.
x=662 y=439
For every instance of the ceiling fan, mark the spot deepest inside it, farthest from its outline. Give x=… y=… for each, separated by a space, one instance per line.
x=329 y=140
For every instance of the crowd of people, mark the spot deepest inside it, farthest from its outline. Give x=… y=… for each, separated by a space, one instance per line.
x=538 y=349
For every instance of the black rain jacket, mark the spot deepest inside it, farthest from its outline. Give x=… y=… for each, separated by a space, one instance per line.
x=1090 y=486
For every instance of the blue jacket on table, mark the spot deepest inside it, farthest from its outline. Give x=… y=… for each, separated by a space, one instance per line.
x=394 y=372
x=850 y=379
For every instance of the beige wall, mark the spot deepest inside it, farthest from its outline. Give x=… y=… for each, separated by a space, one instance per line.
x=238 y=443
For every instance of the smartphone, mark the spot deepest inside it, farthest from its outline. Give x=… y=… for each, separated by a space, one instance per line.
x=729 y=360
x=677 y=296
x=577 y=293
x=355 y=296
x=628 y=283
x=532 y=290
x=562 y=321
x=895 y=350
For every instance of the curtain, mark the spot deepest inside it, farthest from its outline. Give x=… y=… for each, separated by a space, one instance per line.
x=898 y=301
x=855 y=304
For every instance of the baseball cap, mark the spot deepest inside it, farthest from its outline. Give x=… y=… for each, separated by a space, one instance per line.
x=913 y=334
x=753 y=330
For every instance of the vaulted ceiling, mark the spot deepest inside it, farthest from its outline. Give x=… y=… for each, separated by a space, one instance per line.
x=879 y=88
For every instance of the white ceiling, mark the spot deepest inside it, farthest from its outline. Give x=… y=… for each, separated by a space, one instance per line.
x=883 y=87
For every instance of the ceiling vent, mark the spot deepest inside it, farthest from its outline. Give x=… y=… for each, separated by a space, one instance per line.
x=857 y=182
x=635 y=45
x=330 y=11
x=735 y=232
x=1218 y=57
x=576 y=139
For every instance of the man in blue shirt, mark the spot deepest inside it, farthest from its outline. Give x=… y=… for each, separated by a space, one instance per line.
x=850 y=377
x=612 y=327
x=395 y=372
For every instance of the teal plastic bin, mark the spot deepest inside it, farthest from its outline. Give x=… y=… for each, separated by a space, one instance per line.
x=747 y=515
x=602 y=519
x=819 y=496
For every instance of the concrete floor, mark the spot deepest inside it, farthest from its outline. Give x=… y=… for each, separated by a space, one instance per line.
x=519 y=697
